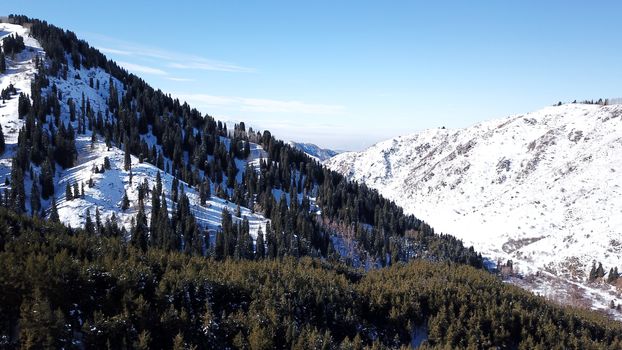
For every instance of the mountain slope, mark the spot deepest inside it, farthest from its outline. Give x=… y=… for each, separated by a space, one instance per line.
x=542 y=189
x=83 y=110
x=314 y=151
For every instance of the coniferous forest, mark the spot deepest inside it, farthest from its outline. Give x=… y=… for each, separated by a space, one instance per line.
x=69 y=288
x=163 y=284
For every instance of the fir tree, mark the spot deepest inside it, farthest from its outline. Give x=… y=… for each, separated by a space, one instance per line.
x=47 y=180
x=127 y=160
x=35 y=199
x=88 y=225
x=2 y=144
x=54 y=211
x=2 y=62
x=68 y=192
x=125 y=202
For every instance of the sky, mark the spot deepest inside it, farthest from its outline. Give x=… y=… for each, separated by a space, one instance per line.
x=347 y=74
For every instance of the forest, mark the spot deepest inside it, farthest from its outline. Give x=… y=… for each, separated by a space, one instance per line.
x=68 y=288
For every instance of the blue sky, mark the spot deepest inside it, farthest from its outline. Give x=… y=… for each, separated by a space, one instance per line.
x=346 y=74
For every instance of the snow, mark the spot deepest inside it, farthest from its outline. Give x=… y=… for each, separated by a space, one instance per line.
x=542 y=189
x=314 y=151
x=20 y=72
x=109 y=186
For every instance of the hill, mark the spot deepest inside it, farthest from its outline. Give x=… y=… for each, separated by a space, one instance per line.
x=540 y=190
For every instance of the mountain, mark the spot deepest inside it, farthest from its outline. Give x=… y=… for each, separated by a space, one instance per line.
x=128 y=219
x=540 y=189
x=87 y=141
x=314 y=151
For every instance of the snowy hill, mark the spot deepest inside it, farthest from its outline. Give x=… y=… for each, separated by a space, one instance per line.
x=106 y=189
x=542 y=189
x=314 y=151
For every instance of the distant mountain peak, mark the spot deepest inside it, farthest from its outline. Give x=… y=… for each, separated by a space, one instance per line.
x=314 y=151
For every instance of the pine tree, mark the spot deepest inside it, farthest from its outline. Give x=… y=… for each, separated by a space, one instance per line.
x=613 y=275
x=35 y=199
x=2 y=144
x=260 y=250
x=2 y=62
x=36 y=324
x=88 y=225
x=47 y=180
x=125 y=202
x=600 y=271
x=98 y=220
x=127 y=163
x=140 y=231
x=68 y=192
x=18 y=193
x=54 y=211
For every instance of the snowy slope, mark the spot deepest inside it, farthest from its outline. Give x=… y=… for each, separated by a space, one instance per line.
x=543 y=189
x=314 y=151
x=108 y=188
x=20 y=72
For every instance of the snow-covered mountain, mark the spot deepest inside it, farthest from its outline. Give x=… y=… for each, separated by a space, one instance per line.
x=314 y=151
x=103 y=190
x=542 y=189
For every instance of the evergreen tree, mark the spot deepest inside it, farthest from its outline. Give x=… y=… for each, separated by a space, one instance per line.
x=35 y=199
x=68 y=192
x=140 y=231
x=47 y=180
x=2 y=62
x=88 y=225
x=600 y=271
x=613 y=275
x=260 y=250
x=18 y=193
x=2 y=144
x=125 y=202
x=23 y=105
x=98 y=220
x=54 y=211
x=127 y=160
x=36 y=325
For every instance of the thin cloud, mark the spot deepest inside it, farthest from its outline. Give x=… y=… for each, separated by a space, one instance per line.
x=171 y=59
x=262 y=105
x=179 y=79
x=138 y=68
x=114 y=51
x=211 y=65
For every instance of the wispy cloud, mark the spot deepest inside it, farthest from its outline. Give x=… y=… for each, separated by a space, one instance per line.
x=179 y=79
x=170 y=59
x=211 y=65
x=139 y=68
x=261 y=105
x=114 y=51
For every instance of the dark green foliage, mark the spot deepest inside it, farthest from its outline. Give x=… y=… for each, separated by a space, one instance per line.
x=13 y=44
x=68 y=192
x=125 y=201
x=35 y=198
x=2 y=144
x=2 y=62
x=23 y=105
x=47 y=179
x=613 y=275
x=113 y=294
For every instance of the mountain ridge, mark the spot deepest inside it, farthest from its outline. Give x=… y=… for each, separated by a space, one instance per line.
x=528 y=183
